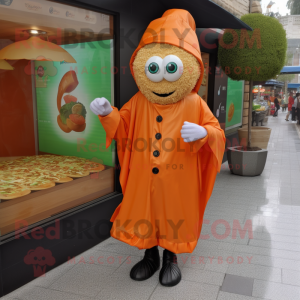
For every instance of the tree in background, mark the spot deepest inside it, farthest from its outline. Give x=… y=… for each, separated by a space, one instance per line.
x=256 y=55
x=294 y=6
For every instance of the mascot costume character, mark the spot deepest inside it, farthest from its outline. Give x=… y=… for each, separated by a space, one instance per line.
x=170 y=147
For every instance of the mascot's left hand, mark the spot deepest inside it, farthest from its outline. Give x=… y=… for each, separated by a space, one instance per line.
x=191 y=132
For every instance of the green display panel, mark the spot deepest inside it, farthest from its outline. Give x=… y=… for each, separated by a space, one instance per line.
x=234 y=105
x=94 y=74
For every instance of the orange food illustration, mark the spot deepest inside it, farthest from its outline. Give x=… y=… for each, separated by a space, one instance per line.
x=230 y=112
x=72 y=114
x=76 y=127
x=63 y=126
x=70 y=98
x=77 y=119
x=67 y=84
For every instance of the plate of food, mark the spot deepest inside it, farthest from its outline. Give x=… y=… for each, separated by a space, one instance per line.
x=33 y=173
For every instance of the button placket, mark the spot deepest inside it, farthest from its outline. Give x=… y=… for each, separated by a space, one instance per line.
x=155 y=170
x=156 y=153
x=159 y=118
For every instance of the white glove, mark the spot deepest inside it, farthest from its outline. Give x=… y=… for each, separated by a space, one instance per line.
x=101 y=106
x=191 y=132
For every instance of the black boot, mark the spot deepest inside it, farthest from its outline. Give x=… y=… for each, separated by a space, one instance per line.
x=170 y=274
x=145 y=268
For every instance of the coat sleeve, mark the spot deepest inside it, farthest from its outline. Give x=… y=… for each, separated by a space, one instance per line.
x=116 y=124
x=210 y=151
x=214 y=142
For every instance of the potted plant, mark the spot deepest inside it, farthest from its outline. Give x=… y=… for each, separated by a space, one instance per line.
x=252 y=56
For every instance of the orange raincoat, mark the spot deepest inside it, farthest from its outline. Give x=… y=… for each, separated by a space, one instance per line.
x=165 y=193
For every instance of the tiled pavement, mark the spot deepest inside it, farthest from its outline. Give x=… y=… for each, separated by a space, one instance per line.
x=266 y=266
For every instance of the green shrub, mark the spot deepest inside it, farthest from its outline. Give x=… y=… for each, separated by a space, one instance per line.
x=256 y=55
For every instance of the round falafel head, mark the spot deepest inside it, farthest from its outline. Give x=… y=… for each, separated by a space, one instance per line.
x=164 y=73
x=167 y=64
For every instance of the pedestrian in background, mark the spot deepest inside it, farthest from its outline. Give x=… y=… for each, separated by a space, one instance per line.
x=290 y=104
x=277 y=107
x=294 y=107
x=297 y=99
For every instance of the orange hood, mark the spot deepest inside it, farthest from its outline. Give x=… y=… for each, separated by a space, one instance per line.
x=168 y=29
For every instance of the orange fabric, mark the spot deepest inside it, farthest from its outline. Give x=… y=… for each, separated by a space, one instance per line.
x=176 y=27
x=16 y=112
x=167 y=208
x=154 y=204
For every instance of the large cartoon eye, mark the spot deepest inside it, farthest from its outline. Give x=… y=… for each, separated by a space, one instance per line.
x=154 y=69
x=173 y=67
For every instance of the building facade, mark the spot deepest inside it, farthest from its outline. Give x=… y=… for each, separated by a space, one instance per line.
x=235 y=7
x=239 y=7
x=291 y=24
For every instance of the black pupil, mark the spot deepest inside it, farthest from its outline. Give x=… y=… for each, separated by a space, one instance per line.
x=153 y=67
x=171 y=67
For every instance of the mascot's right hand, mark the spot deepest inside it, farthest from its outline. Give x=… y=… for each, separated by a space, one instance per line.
x=101 y=107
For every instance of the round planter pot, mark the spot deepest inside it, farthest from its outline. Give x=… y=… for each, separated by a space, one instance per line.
x=246 y=163
x=260 y=136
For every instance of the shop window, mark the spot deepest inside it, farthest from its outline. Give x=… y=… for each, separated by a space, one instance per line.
x=52 y=147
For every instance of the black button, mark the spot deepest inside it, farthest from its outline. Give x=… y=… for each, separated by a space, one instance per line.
x=159 y=119
x=156 y=153
x=155 y=171
x=158 y=136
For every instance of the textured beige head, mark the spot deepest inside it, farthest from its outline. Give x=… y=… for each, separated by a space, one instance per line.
x=164 y=73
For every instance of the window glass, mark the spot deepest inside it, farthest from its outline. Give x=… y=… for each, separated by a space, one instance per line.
x=53 y=154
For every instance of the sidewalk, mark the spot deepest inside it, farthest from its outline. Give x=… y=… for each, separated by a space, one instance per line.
x=222 y=267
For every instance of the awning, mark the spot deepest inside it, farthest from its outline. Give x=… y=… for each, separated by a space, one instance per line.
x=271 y=82
x=293 y=85
x=290 y=70
x=207 y=14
